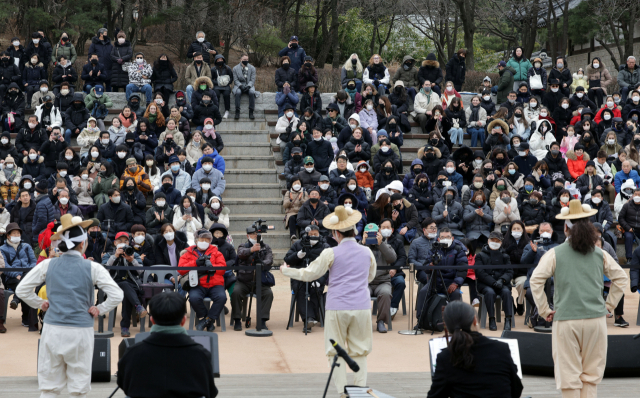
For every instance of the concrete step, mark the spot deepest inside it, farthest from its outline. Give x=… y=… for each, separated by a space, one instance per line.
x=255 y=205
x=250 y=162
x=277 y=240
x=240 y=220
x=250 y=176
x=246 y=149
x=241 y=190
x=239 y=135
x=248 y=124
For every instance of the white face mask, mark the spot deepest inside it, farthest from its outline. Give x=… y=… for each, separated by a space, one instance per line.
x=564 y=199
x=385 y=149
x=446 y=242
x=160 y=203
x=27 y=185
x=449 y=89
x=289 y=114
x=200 y=39
x=105 y=142
x=16 y=239
x=324 y=187
x=636 y=199
x=121 y=155
x=121 y=40
x=63 y=174
x=34 y=60
x=580 y=95
x=522 y=153
x=635 y=98
x=168 y=236
x=352 y=187
x=139 y=60
x=139 y=239
x=446 y=184
x=203 y=245
x=4 y=141
x=296 y=187
x=477 y=162
x=348 y=205
x=537 y=65
x=486 y=97
x=120 y=245
x=516 y=235
x=385 y=233
x=610 y=104
x=314 y=242
x=85 y=176
x=215 y=206
x=64 y=92
x=450 y=170
x=477 y=185
x=353 y=126
x=494 y=245
x=208 y=127
x=207 y=167
x=369 y=107
x=309 y=169
x=547 y=235
x=432 y=235
x=32 y=125
x=33 y=156
x=555 y=90
x=68 y=157
x=9 y=165
x=206 y=186
x=596 y=66
x=611 y=142
x=363 y=169
x=565 y=106
x=317 y=138
x=606 y=116
x=115 y=199
x=596 y=200
x=16 y=43
x=43 y=89
x=543 y=114
x=253 y=241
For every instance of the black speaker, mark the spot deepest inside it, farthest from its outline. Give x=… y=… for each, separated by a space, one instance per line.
x=536 y=357
x=101 y=363
x=535 y=352
x=124 y=346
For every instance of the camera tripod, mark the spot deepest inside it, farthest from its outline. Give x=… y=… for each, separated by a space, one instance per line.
x=431 y=288
x=307 y=296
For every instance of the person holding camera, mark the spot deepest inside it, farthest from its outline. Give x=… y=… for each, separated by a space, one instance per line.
x=492 y=282
x=249 y=253
x=125 y=256
x=312 y=212
x=301 y=254
x=210 y=283
x=447 y=251
x=395 y=241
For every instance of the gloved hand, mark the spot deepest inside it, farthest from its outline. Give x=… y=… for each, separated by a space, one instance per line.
x=634 y=289
x=498 y=285
x=301 y=254
x=288 y=130
x=315 y=284
x=376 y=82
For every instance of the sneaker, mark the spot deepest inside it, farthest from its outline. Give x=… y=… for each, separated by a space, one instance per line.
x=226 y=114
x=293 y=238
x=311 y=322
x=124 y=332
x=211 y=326
x=237 y=325
x=492 y=324
x=141 y=311
x=394 y=311
x=203 y=323
x=381 y=328
x=476 y=303
x=13 y=305
x=507 y=323
x=520 y=309
x=306 y=329
x=25 y=324
x=620 y=322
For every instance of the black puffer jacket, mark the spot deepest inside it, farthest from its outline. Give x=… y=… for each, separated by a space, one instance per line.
x=164 y=75
x=532 y=215
x=50 y=151
x=76 y=117
x=487 y=277
x=202 y=112
x=14 y=103
x=119 y=77
x=292 y=259
x=557 y=165
x=120 y=216
x=69 y=72
x=224 y=70
x=430 y=70
x=27 y=139
x=629 y=216
x=224 y=247
x=203 y=48
x=456 y=70
x=63 y=102
x=288 y=75
x=9 y=72
x=103 y=49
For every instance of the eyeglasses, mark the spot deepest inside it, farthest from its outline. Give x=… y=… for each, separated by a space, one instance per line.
x=431 y=228
x=376 y=58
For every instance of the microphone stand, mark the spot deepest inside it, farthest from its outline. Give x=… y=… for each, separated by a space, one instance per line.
x=411 y=330
x=333 y=365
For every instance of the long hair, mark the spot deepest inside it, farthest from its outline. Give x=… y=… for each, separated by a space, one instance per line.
x=582 y=236
x=458 y=318
x=381 y=205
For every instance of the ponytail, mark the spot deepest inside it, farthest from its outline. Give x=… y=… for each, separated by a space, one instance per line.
x=458 y=318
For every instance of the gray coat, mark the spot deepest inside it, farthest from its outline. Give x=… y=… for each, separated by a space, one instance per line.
x=629 y=78
x=419 y=250
x=454 y=219
x=385 y=255
x=477 y=225
x=238 y=77
x=218 y=182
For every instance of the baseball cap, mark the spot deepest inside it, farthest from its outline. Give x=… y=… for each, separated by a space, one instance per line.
x=294 y=38
x=324 y=178
x=501 y=63
x=371 y=228
x=308 y=159
x=495 y=235
x=99 y=90
x=122 y=234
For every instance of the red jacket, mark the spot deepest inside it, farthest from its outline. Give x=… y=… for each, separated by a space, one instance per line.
x=217 y=260
x=615 y=110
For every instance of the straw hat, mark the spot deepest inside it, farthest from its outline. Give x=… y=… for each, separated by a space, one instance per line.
x=576 y=210
x=342 y=219
x=67 y=222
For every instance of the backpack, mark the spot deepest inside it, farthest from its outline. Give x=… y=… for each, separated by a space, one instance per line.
x=431 y=317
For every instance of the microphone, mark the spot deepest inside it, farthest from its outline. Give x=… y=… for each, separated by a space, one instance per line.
x=343 y=354
x=308 y=229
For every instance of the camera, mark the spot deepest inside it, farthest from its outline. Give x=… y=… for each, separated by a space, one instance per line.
x=436 y=256
x=258 y=228
x=128 y=250
x=306 y=241
x=204 y=261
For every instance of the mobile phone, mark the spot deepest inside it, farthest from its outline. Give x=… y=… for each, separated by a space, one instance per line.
x=371 y=238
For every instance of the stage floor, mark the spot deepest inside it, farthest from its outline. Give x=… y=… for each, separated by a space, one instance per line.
x=398 y=385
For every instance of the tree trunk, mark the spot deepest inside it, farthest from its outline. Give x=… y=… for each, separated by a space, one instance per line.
x=335 y=30
x=326 y=40
x=565 y=27
x=296 y=21
x=383 y=43
x=316 y=28
x=127 y=18
x=374 y=33
x=467 y=14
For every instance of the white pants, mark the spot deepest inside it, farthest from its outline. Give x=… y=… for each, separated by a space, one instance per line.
x=352 y=330
x=64 y=358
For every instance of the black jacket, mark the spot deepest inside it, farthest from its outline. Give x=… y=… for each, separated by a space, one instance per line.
x=94 y=74
x=203 y=48
x=430 y=72
x=120 y=214
x=552 y=100
x=202 y=112
x=50 y=151
x=330 y=196
x=163 y=76
x=119 y=77
x=27 y=139
x=574 y=102
x=487 y=277
x=76 y=117
x=16 y=104
x=421 y=198
x=26 y=224
x=161 y=252
x=284 y=76
x=322 y=154
x=397 y=244
x=380 y=158
x=306 y=216
x=305 y=102
x=103 y=48
x=564 y=77
x=494 y=375
x=381 y=180
x=247 y=259
x=629 y=216
x=292 y=259
x=136 y=200
x=558 y=165
x=456 y=70
x=532 y=215
x=96 y=247
x=69 y=72
x=9 y=72
x=224 y=247
x=364 y=154
x=189 y=373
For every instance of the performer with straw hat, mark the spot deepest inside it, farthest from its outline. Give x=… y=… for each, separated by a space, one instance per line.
x=579 y=340
x=351 y=267
x=66 y=346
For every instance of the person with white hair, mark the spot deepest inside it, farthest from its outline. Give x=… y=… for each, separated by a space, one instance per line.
x=629 y=78
x=66 y=347
x=351 y=268
x=200 y=45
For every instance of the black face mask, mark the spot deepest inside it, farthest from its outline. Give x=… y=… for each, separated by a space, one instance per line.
x=198 y=62
x=218 y=241
x=206 y=102
x=434 y=142
x=519 y=114
x=398 y=207
x=586 y=138
x=422 y=185
x=130 y=187
x=94 y=61
x=431 y=156
x=220 y=63
x=164 y=62
x=636 y=141
x=351 y=86
x=354 y=61
x=285 y=66
x=77 y=105
x=65 y=39
x=245 y=63
x=297 y=142
x=557 y=189
x=48 y=104
x=417 y=171
x=397 y=90
x=135 y=104
x=294 y=46
x=297 y=158
x=533 y=202
x=307 y=64
x=169 y=141
x=479 y=202
x=313 y=200
x=5 y=60
x=388 y=169
x=449 y=198
x=167 y=185
x=94 y=234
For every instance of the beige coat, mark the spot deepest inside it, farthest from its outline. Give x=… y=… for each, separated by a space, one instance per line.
x=292 y=203
x=194 y=152
x=423 y=104
x=499 y=216
x=82 y=189
x=602 y=74
x=191 y=75
x=178 y=137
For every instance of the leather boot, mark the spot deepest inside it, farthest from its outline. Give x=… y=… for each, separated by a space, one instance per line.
x=492 y=324
x=2 y=328
x=237 y=116
x=251 y=114
x=507 y=323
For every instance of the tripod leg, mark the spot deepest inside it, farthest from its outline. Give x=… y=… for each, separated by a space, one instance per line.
x=306 y=308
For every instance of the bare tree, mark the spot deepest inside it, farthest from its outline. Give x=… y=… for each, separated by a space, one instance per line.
x=615 y=21
x=467 y=15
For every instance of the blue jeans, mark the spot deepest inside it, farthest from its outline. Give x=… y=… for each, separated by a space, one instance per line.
x=180 y=291
x=87 y=87
x=67 y=136
x=436 y=89
x=456 y=135
x=476 y=133
x=398 y=285
x=215 y=293
x=382 y=88
x=412 y=92
x=189 y=92
x=134 y=88
x=628 y=243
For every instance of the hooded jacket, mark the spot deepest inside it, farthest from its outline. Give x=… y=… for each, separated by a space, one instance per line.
x=224 y=247
x=454 y=218
x=120 y=54
x=218 y=161
x=430 y=70
x=505 y=84
x=408 y=77
x=218 y=183
x=456 y=70
x=164 y=75
x=575 y=164
x=43 y=214
x=431 y=166
x=76 y=117
x=196 y=96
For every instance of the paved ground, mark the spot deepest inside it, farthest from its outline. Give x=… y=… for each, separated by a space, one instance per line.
x=398 y=385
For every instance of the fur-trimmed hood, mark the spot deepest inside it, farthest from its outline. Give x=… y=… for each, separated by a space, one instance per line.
x=203 y=79
x=334 y=99
x=421 y=152
x=26 y=159
x=572 y=155
x=430 y=64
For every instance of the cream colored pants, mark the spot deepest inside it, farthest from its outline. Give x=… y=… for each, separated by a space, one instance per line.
x=64 y=359
x=520 y=288
x=579 y=349
x=352 y=330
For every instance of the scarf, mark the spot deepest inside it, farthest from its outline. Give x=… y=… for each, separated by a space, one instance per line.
x=475 y=110
x=172 y=329
x=217 y=212
x=377 y=69
x=152 y=118
x=352 y=93
x=428 y=95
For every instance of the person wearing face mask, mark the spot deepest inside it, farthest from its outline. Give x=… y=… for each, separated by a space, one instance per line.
x=456 y=69
x=164 y=75
x=421 y=246
x=244 y=78
x=493 y=282
x=425 y=102
x=22 y=213
x=33 y=74
x=448 y=211
x=309 y=175
x=632 y=104
x=313 y=211
x=610 y=143
x=386 y=174
x=215 y=210
x=580 y=98
x=139 y=176
x=128 y=281
x=558 y=202
x=477 y=217
x=599 y=78
x=141 y=246
x=181 y=180
x=97 y=244
x=532 y=210
x=292 y=202
x=420 y=195
x=81 y=185
x=604 y=216
x=217 y=182
x=98 y=103
x=8 y=149
x=286 y=74
x=206 y=114
x=505 y=210
x=120 y=54
x=580 y=80
x=523 y=94
x=76 y=117
x=106 y=147
x=160 y=213
x=307 y=74
x=628 y=222
x=93 y=74
x=541 y=140
x=612 y=106
x=577 y=160
x=505 y=84
x=369 y=119
x=101 y=45
x=64 y=206
x=294 y=165
x=16 y=52
x=140 y=73
x=222 y=76
x=49 y=116
x=286 y=99
x=9 y=71
x=286 y=125
x=187 y=217
x=521 y=65
x=115 y=215
x=554 y=95
x=405 y=217
x=64 y=98
x=515 y=241
x=311 y=100
x=607 y=123
x=561 y=73
x=66 y=49
x=320 y=151
x=430 y=71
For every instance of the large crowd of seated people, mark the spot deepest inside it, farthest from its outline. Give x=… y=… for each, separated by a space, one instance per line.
x=154 y=179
